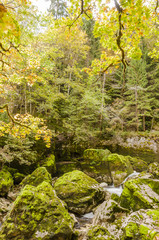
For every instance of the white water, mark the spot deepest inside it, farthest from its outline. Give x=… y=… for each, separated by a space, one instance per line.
x=118 y=190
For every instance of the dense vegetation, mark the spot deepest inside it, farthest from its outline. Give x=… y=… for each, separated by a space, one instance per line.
x=81 y=73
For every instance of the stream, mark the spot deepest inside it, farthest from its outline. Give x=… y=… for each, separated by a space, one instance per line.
x=88 y=217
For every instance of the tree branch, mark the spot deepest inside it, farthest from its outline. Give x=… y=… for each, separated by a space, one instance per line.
x=11 y=117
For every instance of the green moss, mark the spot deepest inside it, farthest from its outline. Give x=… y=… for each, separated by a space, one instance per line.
x=35 y=211
x=37 y=177
x=6 y=182
x=140 y=193
x=50 y=164
x=96 y=154
x=79 y=191
x=99 y=233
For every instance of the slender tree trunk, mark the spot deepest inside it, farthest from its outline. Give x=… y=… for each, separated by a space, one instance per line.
x=25 y=99
x=102 y=103
x=70 y=78
x=136 y=110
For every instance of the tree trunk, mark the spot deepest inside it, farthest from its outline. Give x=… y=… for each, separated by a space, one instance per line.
x=102 y=103
x=136 y=110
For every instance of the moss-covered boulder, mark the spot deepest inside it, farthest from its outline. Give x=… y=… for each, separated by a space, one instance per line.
x=38 y=214
x=99 y=233
x=120 y=167
x=95 y=164
x=137 y=164
x=96 y=155
x=143 y=225
x=6 y=182
x=38 y=176
x=79 y=191
x=141 y=193
x=154 y=169
x=50 y=164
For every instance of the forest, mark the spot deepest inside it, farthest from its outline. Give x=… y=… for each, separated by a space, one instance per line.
x=79 y=114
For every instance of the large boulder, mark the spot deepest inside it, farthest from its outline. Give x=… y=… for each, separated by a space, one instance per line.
x=95 y=164
x=38 y=176
x=96 y=155
x=140 y=193
x=38 y=214
x=120 y=167
x=137 y=164
x=6 y=182
x=79 y=191
x=143 y=224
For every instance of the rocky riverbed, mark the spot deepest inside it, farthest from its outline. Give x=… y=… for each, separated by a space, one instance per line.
x=79 y=205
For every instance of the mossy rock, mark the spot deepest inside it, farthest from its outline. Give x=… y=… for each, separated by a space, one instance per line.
x=99 y=233
x=6 y=182
x=50 y=164
x=141 y=193
x=108 y=212
x=38 y=176
x=143 y=225
x=154 y=169
x=96 y=154
x=120 y=167
x=18 y=177
x=38 y=213
x=137 y=164
x=81 y=192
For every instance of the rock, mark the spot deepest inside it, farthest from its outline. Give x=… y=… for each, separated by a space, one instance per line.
x=99 y=233
x=79 y=191
x=143 y=224
x=154 y=169
x=120 y=167
x=95 y=164
x=4 y=207
x=6 y=182
x=38 y=214
x=50 y=164
x=108 y=212
x=103 y=185
x=141 y=193
x=38 y=176
x=96 y=154
x=137 y=164
x=18 y=177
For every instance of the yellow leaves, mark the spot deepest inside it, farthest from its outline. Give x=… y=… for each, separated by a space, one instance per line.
x=27 y=125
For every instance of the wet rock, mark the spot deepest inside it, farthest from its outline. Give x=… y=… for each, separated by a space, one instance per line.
x=79 y=191
x=103 y=185
x=38 y=214
x=141 y=193
x=6 y=182
x=38 y=176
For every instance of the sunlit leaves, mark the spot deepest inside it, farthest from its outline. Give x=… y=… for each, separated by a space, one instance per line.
x=27 y=125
